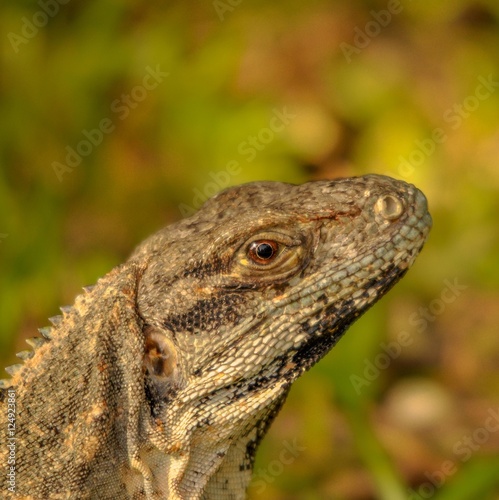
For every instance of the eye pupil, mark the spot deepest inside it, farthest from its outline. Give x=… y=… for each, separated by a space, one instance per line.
x=263 y=251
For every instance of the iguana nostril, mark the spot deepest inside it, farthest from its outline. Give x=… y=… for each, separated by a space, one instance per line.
x=389 y=207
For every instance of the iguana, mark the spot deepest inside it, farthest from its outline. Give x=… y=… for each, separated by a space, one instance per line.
x=162 y=379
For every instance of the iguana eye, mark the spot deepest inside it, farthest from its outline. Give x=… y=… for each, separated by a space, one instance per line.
x=270 y=256
x=263 y=251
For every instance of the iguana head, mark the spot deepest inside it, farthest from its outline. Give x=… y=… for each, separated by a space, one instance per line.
x=268 y=275
x=262 y=281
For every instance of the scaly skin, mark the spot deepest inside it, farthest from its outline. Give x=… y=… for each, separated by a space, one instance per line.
x=161 y=381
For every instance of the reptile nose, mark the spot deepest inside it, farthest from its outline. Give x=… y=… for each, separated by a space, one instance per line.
x=389 y=207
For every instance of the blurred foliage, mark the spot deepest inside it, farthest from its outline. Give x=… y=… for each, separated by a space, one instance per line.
x=368 y=86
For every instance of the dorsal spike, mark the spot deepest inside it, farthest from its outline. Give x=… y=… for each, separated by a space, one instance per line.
x=66 y=309
x=24 y=355
x=13 y=369
x=46 y=332
x=36 y=342
x=88 y=288
x=5 y=383
x=56 y=320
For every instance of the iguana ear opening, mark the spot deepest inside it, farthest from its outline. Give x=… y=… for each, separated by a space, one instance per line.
x=160 y=355
x=161 y=374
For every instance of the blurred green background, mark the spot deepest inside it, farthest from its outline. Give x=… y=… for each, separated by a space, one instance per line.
x=119 y=117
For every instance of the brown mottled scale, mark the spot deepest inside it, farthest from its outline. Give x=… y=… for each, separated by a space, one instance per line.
x=161 y=380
